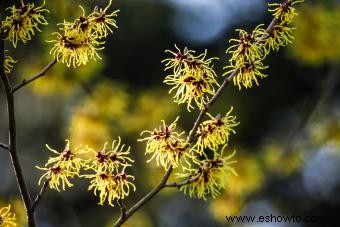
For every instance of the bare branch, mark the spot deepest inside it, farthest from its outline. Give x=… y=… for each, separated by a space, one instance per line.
x=178 y=185
x=122 y=209
x=36 y=76
x=3 y=146
x=12 y=144
x=39 y=196
x=145 y=199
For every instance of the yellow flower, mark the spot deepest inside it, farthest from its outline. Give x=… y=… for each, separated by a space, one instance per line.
x=247 y=73
x=7 y=218
x=192 y=86
x=75 y=48
x=122 y=184
x=210 y=177
x=8 y=63
x=79 y=42
x=284 y=11
x=188 y=62
x=82 y=23
x=57 y=176
x=215 y=132
x=101 y=21
x=98 y=23
x=110 y=160
x=67 y=159
x=109 y=186
x=248 y=45
x=280 y=36
x=193 y=77
x=102 y=183
x=165 y=145
x=170 y=154
x=23 y=22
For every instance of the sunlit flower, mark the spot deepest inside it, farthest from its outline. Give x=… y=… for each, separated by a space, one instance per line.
x=170 y=154
x=110 y=159
x=165 y=144
x=209 y=178
x=8 y=63
x=191 y=86
x=67 y=159
x=57 y=176
x=248 y=73
x=23 y=22
x=101 y=21
x=193 y=77
x=82 y=23
x=215 y=132
x=75 y=48
x=248 y=45
x=123 y=184
x=280 y=36
x=7 y=218
x=284 y=11
x=79 y=40
x=109 y=186
x=101 y=184
x=187 y=62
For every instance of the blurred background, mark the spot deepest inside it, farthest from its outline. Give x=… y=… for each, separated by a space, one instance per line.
x=287 y=143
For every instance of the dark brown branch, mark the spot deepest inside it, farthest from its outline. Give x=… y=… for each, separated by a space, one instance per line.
x=145 y=199
x=3 y=146
x=12 y=144
x=191 y=137
x=122 y=209
x=39 y=196
x=36 y=76
x=182 y=183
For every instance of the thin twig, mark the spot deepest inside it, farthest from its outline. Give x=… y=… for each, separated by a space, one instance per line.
x=3 y=146
x=36 y=76
x=39 y=196
x=145 y=199
x=12 y=144
x=189 y=180
x=122 y=208
x=191 y=137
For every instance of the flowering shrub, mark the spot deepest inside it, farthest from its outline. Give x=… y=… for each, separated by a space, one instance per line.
x=197 y=155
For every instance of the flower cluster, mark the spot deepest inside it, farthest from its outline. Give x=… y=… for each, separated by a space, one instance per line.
x=244 y=53
x=248 y=73
x=193 y=77
x=280 y=36
x=111 y=186
x=108 y=166
x=246 y=47
x=109 y=160
x=281 y=33
x=209 y=177
x=215 y=132
x=7 y=218
x=250 y=49
x=284 y=11
x=109 y=179
x=66 y=164
x=23 y=22
x=165 y=145
x=79 y=41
